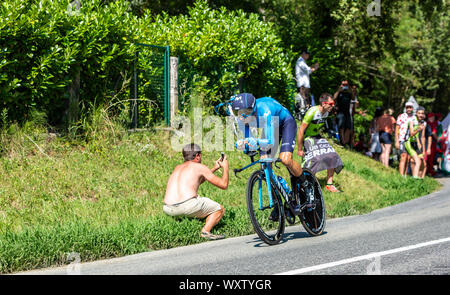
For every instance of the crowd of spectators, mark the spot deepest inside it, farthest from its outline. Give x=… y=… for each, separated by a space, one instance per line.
x=412 y=139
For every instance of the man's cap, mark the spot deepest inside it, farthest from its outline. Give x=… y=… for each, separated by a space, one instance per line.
x=243 y=101
x=305 y=50
x=409 y=104
x=431 y=115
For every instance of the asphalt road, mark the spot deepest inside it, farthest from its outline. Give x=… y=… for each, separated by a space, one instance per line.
x=409 y=238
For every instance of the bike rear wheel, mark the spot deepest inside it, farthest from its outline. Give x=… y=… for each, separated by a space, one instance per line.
x=313 y=219
x=259 y=209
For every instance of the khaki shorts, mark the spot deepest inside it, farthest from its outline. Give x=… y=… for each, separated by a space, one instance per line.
x=198 y=207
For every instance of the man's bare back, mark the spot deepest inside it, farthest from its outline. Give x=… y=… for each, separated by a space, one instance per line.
x=186 y=178
x=184 y=182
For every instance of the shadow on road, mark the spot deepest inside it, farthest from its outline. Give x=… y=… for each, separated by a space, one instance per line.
x=286 y=237
x=299 y=235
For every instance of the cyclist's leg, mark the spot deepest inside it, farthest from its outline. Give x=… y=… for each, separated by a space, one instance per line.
x=288 y=161
x=288 y=135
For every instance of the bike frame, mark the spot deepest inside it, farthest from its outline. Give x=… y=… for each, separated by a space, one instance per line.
x=271 y=177
x=266 y=164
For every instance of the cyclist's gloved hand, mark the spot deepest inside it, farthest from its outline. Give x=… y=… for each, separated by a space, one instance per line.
x=252 y=143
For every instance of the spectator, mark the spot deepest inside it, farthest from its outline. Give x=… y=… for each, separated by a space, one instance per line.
x=343 y=98
x=181 y=194
x=432 y=125
x=427 y=145
x=402 y=125
x=444 y=145
x=375 y=145
x=302 y=72
x=386 y=125
x=360 y=145
x=318 y=153
x=425 y=134
x=415 y=142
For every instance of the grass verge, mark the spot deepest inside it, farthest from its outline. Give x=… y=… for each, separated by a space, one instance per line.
x=103 y=197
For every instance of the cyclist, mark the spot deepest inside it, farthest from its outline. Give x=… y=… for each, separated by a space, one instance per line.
x=319 y=155
x=276 y=121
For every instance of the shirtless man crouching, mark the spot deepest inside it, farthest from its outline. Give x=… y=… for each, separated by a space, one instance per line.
x=181 y=194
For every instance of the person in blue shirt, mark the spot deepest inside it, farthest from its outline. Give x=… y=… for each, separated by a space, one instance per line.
x=276 y=123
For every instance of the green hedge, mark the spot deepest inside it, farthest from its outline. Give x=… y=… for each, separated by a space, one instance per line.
x=212 y=44
x=44 y=44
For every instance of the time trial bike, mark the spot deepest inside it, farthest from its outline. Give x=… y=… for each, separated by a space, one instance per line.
x=271 y=202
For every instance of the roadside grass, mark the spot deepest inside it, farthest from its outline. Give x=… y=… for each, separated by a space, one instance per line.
x=101 y=194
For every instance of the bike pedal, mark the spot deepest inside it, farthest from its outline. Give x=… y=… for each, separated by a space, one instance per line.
x=310 y=207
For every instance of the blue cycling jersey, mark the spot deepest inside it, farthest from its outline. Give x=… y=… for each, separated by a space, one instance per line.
x=270 y=114
x=272 y=107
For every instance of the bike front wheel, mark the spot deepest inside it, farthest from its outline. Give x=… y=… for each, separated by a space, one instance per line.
x=268 y=221
x=313 y=217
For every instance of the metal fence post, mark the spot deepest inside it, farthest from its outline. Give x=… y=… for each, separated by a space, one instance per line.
x=134 y=108
x=167 y=85
x=173 y=87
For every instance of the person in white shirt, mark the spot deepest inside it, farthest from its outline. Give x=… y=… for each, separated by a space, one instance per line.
x=302 y=72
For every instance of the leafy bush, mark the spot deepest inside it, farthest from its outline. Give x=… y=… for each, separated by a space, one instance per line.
x=218 y=47
x=45 y=44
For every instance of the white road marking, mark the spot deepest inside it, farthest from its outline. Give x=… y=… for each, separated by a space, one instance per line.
x=363 y=257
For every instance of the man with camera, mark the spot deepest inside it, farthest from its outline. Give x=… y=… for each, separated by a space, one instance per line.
x=343 y=98
x=181 y=197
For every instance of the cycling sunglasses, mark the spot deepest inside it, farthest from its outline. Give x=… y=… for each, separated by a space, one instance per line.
x=245 y=115
x=331 y=103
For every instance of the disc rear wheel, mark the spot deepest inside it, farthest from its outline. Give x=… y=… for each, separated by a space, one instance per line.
x=313 y=217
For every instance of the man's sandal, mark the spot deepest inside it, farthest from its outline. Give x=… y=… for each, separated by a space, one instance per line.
x=211 y=236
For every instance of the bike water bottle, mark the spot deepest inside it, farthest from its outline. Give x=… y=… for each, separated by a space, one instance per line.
x=284 y=184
